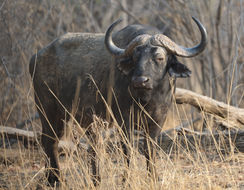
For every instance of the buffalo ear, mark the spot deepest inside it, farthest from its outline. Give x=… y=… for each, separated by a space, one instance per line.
x=125 y=65
x=177 y=69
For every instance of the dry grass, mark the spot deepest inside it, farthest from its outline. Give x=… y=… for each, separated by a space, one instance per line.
x=23 y=168
x=27 y=26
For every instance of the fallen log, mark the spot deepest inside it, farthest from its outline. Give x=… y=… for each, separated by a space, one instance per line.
x=220 y=141
x=26 y=137
x=232 y=115
x=168 y=140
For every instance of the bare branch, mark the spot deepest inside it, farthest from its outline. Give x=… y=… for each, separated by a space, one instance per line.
x=183 y=138
x=222 y=141
x=233 y=115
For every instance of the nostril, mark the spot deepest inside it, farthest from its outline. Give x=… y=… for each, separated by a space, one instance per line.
x=140 y=79
x=146 y=79
x=140 y=82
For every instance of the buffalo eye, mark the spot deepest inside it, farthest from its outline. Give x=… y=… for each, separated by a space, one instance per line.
x=159 y=58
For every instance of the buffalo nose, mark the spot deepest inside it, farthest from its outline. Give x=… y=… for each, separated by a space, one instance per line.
x=139 y=82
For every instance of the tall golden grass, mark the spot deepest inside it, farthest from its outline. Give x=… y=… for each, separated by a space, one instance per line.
x=27 y=26
x=183 y=169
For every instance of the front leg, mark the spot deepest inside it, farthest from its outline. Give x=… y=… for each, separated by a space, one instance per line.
x=152 y=131
x=150 y=154
x=93 y=156
x=124 y=145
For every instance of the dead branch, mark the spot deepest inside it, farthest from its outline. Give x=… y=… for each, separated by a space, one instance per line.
x=232 y=115
x=222 y=141
x=169 y=140
x=27 y=137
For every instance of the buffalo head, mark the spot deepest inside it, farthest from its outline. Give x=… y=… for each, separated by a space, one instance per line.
x=148 y=58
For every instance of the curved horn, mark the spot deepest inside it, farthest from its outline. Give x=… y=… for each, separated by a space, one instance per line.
x=111 y=47
x=178 y=50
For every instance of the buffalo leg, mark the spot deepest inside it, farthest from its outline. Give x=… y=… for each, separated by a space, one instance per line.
x=150 y=149
x=124 y=147
x=50 y=147
x=125 y=152
x=150 y=155
x=93 y=156
x=52 y=131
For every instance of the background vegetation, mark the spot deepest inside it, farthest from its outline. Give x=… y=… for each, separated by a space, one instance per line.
x=28 y=25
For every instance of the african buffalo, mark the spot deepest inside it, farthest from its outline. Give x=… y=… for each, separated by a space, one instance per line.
x=144 y=68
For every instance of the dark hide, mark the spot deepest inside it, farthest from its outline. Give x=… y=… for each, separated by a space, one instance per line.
x=141 y=83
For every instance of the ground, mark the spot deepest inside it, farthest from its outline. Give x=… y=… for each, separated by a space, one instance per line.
x=23 y=168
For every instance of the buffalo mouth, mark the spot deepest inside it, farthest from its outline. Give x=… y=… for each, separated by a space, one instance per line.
x=145 y=88
x=142 y=94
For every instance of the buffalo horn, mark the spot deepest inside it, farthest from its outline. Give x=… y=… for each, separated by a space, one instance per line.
x=178 y=50
x=111 y=47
